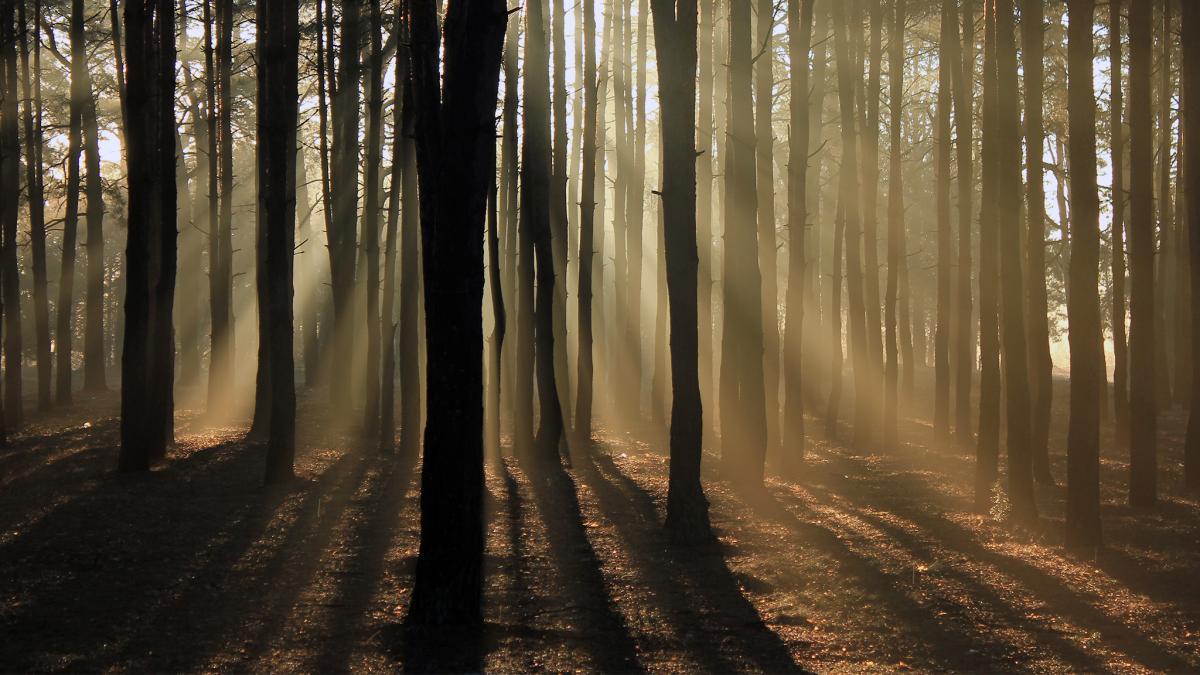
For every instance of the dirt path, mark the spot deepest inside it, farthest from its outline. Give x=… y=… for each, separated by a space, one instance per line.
x=866 y=563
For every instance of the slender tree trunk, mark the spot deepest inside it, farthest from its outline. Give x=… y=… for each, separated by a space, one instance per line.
x=535 y=184
x=587 y=219
x=410 y=297
x=1083 y=303
x=1016 y=370
x=222 y=357
x=800 y=28
x=707 y=14
x=218 y=302
x=867 y=433
x=343 y=240
x=768 y=252
x=1166 y=218
x=66 y=287
x=523 y=415
x=559 y=225
x=455 y=141
x=94 y=378
x=897 y=244
x=743 y=417
x=509 y=209
x=401 y=99
x=35 y=194
x=1117 y=161
x=1040 y=365
x=635 y=210
x=1191 y=187
x=675 y=43
x=372 y=208
x=941 y=349
x=987 y=451
x=9 y=272
x=1143 y=464
x=964 y=115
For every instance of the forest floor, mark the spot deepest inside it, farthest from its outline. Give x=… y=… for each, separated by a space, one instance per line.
x=866 y=563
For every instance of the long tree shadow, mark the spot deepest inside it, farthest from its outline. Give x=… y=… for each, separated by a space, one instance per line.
x=603 y=630
x=1045 y=586
x=701 y=597
x=152 y=553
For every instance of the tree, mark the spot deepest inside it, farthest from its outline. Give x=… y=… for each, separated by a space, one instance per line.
x=800 y=28
x=1012 y=336
x=400 y=170
x=987 y=449
x=32 y=90
x=897 y=246
x=675 y=43
x=66 y=287
x=743 y=417
x=1040 y=364
x=455 y=125
x=94 y=377
x=941 y=349
x=9 y=272
x=147 y=407
x=1117 y=131
x=370 y=219
x=1191 y=186
x=963 y=81
x=587 y=219
x=278 y=49
x=1083 y=302
x=768 y=253
x=1143 y=463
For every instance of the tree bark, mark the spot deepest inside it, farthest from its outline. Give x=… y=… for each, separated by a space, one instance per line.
x=35 y=194
x=768 y=252
x=963 y=78
x=987 y=450
x=897 y=244
x=941 y=348
x=65 y=332
x=1191 y=187
x=455 y=141
x=1143 y=464
x=1083 y=303
x=587 y=220
x=9 y=272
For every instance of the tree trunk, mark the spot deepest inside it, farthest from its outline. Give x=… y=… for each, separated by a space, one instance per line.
x=705 y=43
x=9 y=272
x=1119 y=198
x=147 y=406
x=94 y=379
x=343 y=243
x=1016 y=369
x=221 y=361
x=743 y=417
x=535 y=184
x=587 y=219
x=963 y=78
x=1191 y=187
x=401 y=111
x=370 y=220
x=768 y=252
x=410 y=297
x=897 y=244
x=559 y=225
x=873 y=341
x=941 y=348
x=1143 y=464
x=455 y=128
x=1083 y=303
x=36 y=196
x=987 y=450
x=800 y=28
x=1040 y=365
x=278 y=51
x=675 y=43
x=65 y=333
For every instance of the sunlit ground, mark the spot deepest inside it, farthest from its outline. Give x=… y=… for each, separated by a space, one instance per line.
x=865 y=562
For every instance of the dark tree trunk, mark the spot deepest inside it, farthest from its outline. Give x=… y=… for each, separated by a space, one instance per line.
x=1143 y=427
x=707 y=14
x=587 y=220
x=1040 y=365
x=370 y=220
x=278 y=50
x=868 y=434
x=743 y=417
x=523 y=415
x=535 y=184
x=964 y=115
x=1016 y=369
x=9 y=272
x=1191 y=187
x=1119 y=198
x=1083 y=302
x=147 y=361
x=987 y=451
x=897 y=244
x=559 y=225
x=66 y=287
x=94 y=378
x=800 y=28
x=35 y=194
x=455 y=146
x=410 y=281
x=220 y=375
x=768 y=253
x=1166 y=218
x=401 y=113
x=941 y=346
x=675 y=43
x=343 y=243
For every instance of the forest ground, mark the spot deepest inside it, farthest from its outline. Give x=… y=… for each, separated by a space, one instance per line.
x=867 y=562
